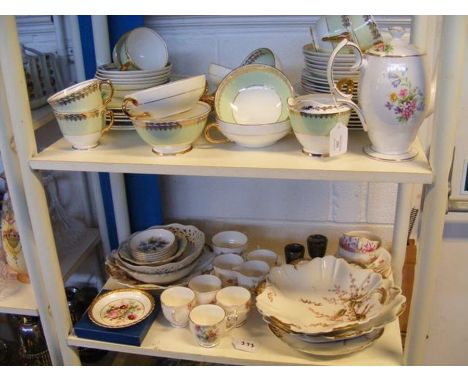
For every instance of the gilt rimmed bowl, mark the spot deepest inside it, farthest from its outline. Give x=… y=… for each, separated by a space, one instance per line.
x=322 y=295
x=253 y=95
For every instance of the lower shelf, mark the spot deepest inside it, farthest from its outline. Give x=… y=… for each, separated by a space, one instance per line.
x=164 y=341
x=23 y=301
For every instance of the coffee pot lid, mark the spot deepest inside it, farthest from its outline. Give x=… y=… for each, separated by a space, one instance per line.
x=396 y=47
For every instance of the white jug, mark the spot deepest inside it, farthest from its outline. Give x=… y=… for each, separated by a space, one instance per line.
x=394 y=96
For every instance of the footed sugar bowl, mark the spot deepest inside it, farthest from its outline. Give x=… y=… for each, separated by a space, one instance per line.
x=394 y=95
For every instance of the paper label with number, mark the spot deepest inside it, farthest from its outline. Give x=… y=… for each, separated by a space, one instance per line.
x=245 y=344
x=338 y=139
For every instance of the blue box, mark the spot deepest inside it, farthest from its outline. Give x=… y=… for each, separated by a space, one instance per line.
x=132 y=335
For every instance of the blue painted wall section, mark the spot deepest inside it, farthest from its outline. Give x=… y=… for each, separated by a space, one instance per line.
x=143 y=194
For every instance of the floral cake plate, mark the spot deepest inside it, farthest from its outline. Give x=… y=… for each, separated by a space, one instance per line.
x=121 y=308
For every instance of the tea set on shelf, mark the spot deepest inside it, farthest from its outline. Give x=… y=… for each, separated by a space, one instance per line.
x=354 y=75
x=323 y=305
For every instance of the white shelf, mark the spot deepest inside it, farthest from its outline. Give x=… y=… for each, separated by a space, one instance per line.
x=42 y=116
x=125 y=152
x=23 y=301
x=164 y=341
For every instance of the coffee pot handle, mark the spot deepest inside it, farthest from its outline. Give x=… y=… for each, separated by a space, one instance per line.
x=331 y=61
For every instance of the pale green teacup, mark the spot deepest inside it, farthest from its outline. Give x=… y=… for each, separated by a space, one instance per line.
x=174 y=134
x=82 y=97
x=313 y=117
x=83 y=130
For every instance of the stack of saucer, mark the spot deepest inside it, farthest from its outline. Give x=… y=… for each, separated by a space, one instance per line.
x=127 y=82
x=314 y=76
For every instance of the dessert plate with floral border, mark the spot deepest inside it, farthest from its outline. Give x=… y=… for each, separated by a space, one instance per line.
x=121 y=308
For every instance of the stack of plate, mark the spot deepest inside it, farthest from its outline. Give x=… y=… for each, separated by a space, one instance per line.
x=128 y=82
x=314 y=76
x=187 y=255
x=327 y=307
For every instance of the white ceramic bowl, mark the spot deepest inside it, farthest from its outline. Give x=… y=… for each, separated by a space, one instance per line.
x=251 y=136
x=164 y=237
x=165 y=100
x=229 y=242
x=145 y=49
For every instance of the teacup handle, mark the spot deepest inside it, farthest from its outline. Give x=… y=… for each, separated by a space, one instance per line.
x=108 y=83
x=111 y=123
x=231 y=320
x=331 y=62
x=208 y=136
x=336 y=89
x=132 y=101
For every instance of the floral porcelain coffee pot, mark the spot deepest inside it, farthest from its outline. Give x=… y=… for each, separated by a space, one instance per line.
x=393 y=95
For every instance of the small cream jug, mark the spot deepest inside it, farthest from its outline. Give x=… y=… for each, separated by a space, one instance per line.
x=394 y=95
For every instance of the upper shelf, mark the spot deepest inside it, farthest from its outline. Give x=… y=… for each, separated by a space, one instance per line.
x=125 y=152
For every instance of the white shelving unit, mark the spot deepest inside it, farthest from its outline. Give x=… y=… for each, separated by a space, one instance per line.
x=122 y=152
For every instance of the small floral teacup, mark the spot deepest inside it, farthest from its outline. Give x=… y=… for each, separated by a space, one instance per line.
x=207 y=324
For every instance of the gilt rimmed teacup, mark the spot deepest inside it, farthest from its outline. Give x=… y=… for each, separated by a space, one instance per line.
x=236 y=302
x=176 y=304
x=313 y=117
x=83 y=130
x=81 y=97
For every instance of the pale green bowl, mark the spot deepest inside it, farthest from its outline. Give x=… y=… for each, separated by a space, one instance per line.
x=249 y=77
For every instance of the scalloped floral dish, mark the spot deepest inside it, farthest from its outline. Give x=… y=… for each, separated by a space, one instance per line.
x=121 y=308
x=322 y=295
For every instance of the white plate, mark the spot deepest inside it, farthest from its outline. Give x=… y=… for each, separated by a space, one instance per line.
x=121 y=308
x=113 y=69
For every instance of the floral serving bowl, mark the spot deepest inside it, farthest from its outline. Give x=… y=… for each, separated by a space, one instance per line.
x=393 y=307
x=175 y=134
x=322 y=295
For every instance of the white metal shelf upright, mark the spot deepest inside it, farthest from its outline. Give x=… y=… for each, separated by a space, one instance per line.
x=101 y=159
